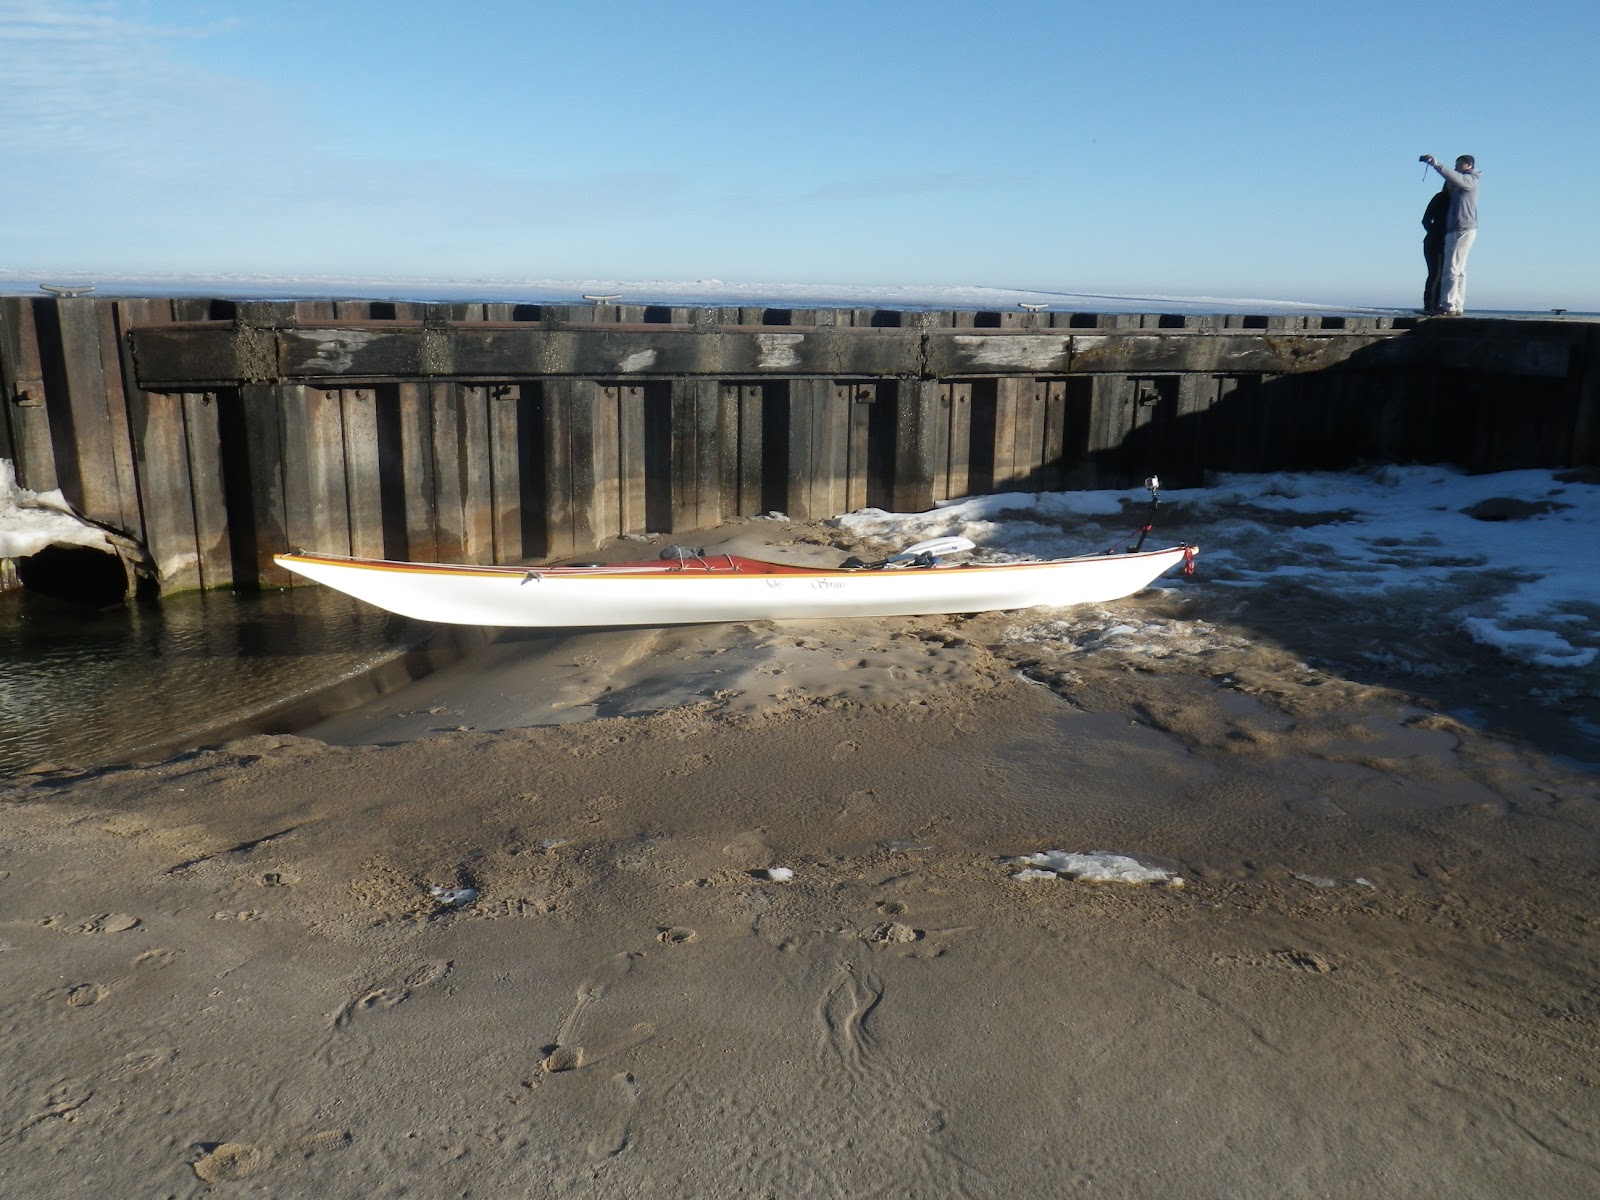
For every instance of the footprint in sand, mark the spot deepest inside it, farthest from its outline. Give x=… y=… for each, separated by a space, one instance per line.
x=103 y=923
x=64 y=1102
x=229 y=1162
x=891 y=933
x=844 y=1016
x=1305 y=960
x=61 y=1103
x=395 y=994
x=567 y=1052
x=613 y=1140
x=563 y=1058
x=573 y=1056
x=83 y=995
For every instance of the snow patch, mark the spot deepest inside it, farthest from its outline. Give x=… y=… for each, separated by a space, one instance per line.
x=1097 y=866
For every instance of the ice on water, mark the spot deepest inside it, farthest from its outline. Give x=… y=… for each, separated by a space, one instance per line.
x=686 y=293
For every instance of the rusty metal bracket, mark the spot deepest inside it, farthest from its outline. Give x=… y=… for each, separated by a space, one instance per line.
x=29 y=393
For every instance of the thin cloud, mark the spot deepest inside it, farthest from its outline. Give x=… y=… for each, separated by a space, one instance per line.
x=84 y=79
x=893 y=186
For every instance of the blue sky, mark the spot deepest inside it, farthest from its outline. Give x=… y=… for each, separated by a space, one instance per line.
x=1229 y=149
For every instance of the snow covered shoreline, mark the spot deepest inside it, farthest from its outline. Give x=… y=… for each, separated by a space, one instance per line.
x=1523 y=540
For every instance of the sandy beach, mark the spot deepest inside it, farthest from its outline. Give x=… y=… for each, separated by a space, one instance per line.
x=514 y=930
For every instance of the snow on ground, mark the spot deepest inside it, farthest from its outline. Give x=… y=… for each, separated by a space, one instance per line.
x=1511 y=559
x=1097 y=866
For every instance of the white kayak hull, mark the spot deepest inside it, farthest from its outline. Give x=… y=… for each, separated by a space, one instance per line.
x=724 y=588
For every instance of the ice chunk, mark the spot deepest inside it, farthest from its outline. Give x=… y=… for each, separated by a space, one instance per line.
x=1097 y=866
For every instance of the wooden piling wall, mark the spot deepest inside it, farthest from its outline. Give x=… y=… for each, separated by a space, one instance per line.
x=216 y=433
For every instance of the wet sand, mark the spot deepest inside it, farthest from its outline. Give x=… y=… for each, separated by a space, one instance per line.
x=227 y=971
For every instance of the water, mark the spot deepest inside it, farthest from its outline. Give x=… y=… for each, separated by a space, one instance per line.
x=87 y=688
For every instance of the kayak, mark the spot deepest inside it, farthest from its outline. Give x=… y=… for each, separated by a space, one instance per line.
x=688 y=587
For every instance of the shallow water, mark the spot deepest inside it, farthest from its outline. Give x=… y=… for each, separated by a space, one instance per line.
x=86 y=688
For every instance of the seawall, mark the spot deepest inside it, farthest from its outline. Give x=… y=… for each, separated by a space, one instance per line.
x=211 y=434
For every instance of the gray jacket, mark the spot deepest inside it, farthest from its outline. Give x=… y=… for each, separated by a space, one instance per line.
x=1463 y=197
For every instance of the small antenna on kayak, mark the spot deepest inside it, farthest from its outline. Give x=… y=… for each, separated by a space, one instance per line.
x=1153 y=486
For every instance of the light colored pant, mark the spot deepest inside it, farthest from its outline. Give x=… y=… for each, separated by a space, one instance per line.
x=1453 y=287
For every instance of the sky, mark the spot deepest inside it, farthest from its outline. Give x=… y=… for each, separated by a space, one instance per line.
x=1240 y=149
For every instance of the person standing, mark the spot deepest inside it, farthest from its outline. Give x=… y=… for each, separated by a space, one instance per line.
x=1433 y=221
x=1460 y=228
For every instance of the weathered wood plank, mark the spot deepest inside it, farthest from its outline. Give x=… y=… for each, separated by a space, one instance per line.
x=703 y=462
x=179 y=357
x=477 y=474
x=916 y=411
x=505 y=467
x=954 y=448
x=1077 y=467
x=558 y=404
x=161 y=445
x=8 y=383
x=450 y=523
x=207 y=484
x=752 y=443
x=632 y=491
x=363 y=473
x=161 y=466
x=1188 y=450
x=1008 y=473
x=1030 y=430
x=1111 y=420
x=353 y=352
x=728 y=461
x=316 y=510
x=586 y=532
x=833 y=421
x=683 y=457
x=997 y=352
x=216 y=351
x=1053 y=432
x=126 y=480
x=859 y=461
x=806 y=396
x=86 y=462
x=482 y=350
x=608 y=500
x=415 y=418
x=253 y=455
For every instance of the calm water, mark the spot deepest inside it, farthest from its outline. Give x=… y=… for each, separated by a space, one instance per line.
x=86 y=688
